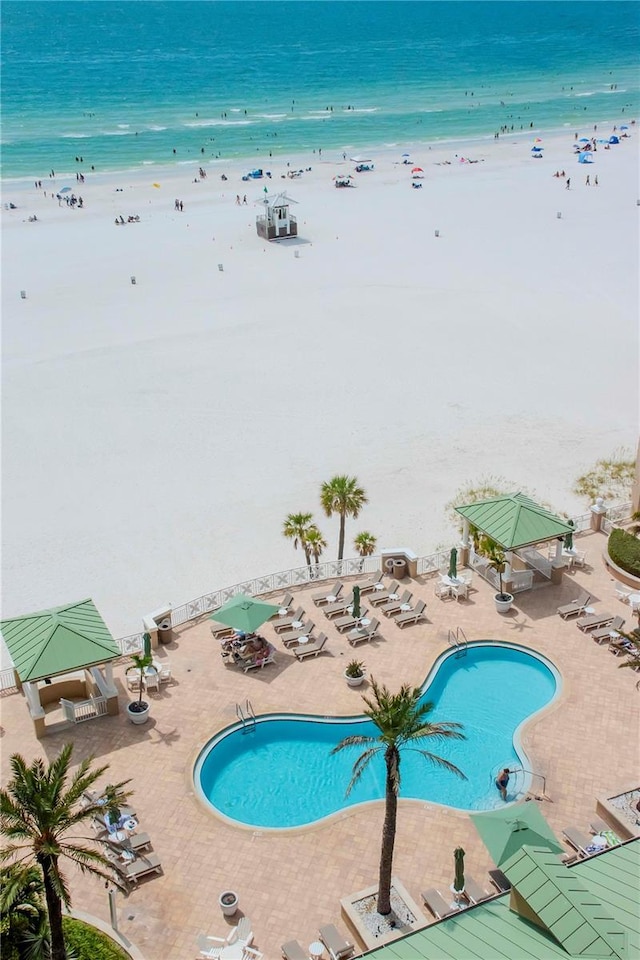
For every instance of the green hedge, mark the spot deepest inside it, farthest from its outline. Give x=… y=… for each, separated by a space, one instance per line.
x=624 y=550
x=87 y=943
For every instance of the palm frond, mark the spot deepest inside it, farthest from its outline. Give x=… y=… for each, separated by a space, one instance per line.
x=360 y=766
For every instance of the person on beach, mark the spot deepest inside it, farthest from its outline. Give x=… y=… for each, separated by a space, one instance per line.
x=237 y=199
x=595 y=182
x=568 y=183
x=502 y=781
x=244 y=200
x=588 y=181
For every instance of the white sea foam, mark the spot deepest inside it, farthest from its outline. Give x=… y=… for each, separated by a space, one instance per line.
x=272 y=116
x=325 y=117
x=124 y=126
x=155 y=126
x=148 y=163
x=75 y=136
x=219 y=123
x=590 y=93
x=115 y=133
x=363 y=110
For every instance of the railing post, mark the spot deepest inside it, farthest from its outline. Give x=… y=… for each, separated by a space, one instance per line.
x=598 y=513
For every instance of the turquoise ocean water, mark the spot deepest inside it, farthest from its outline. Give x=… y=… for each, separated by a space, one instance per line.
x=124 y=84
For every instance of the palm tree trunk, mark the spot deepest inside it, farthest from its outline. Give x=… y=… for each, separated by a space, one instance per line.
x=307 y=554
x=54 y=910
x=388 y=836
x=341 y=537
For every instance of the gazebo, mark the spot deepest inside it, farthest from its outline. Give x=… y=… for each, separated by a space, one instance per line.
x=517 y=524
x=64 y=654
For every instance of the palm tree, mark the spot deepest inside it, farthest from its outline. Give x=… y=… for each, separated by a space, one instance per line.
x=365 y=543
x=26 y=931
x=38 y=808
x=633 y=653
x=402 y=721
x=315 y=543
x=343 y=496
x=296 y=527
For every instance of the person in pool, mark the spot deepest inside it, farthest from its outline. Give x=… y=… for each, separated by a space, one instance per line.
x=502 y=781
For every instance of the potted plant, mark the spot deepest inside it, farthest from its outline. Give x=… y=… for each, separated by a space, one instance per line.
x=228 y=901
x=354 y=673
x=502 y=600
x=138 y=711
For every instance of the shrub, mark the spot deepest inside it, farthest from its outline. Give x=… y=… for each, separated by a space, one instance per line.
x=624 y=550
x=87 y=943
x=610 y=478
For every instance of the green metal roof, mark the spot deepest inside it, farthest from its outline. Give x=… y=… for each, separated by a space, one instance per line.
x=58 y=641
x=493 y=931
x=555 y=898
x=514 y=521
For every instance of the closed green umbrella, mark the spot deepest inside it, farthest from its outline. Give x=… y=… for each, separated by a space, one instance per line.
x=458 y=882
x=244 y=613
x=453 y=559
x=506 y=831
x=356 y=603
x=568 y=537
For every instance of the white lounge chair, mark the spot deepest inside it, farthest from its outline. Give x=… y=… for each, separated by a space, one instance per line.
x=411 y=616
x=395 y=606
x=576 y=606
x=285 y=623
x=437 y=904
x=338 y=947
x=348 y=621
x=311 y=649
x=362 y=634
x=291 y=950
x=371 y=584
x=321 y=598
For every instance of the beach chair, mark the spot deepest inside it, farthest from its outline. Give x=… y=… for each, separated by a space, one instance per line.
x=337 y=609
x=600 y=826
x=574 y=608
x=93 y=796
x=381 y=596
x=474 y=892
x=338 y=947
x=368 y=585
x=621 y=647
x=411 y=616
x=348 y=621
x=321 y=598
x=363 y=634
x=221 y=630
x=207 y=947
x=291 y=950
x=623 y=593
x=596 y=620
x=436 y=903
x=393 y=606
x=578 y=840
x=139 y=841
x=284 y=623
x=260 y=660
x=131 y=871
x=285 y=604
x=311 y=649
x=603 y=635
x=500 y=881
x=291 y=637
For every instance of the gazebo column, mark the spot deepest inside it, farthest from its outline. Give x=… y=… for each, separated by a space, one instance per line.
x=557 y=564
x=465 y=544
x=36 y=709
x=508 y=573
x=113 y=707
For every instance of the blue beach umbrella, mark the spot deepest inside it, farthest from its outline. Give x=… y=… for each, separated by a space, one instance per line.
x=537 y=149
x=65 y=190
x=583 y=140
x=624 y=127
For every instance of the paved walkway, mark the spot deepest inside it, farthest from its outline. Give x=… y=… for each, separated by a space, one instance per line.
x=586 y=745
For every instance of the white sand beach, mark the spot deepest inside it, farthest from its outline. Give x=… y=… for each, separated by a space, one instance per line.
x=156 y=435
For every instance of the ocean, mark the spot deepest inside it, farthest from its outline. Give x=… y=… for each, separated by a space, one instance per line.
x=127 y=84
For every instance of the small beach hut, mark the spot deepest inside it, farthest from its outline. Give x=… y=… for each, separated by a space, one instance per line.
x=275 y=221
x=66 y=655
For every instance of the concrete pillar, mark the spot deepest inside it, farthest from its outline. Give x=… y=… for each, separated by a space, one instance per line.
x=598 y=513
x=465 y=533
x=113 y=706
x=465 y=544
x=33 y=699
x=635 y=490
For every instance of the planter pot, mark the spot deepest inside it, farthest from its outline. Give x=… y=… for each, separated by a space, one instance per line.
x=354 y=681
x=503 y=602
x=228 y=901
x=136 y=715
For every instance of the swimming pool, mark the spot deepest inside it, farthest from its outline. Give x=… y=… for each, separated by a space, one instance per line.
x=281 y=774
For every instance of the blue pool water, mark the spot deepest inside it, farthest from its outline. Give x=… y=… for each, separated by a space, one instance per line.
x=283 y=775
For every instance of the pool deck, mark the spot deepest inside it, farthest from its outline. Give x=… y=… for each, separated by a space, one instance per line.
x=585 y=744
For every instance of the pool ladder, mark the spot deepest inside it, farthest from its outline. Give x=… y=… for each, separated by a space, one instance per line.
x=457 y=639
x=246 y=716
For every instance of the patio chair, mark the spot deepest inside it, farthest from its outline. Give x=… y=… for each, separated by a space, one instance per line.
x=93 y=796
x=164 y=674
x=241 y=934
x=580 y=842
x=371 y=584
x=311 y=649
x=394 y=606
x=622 y=593
x=500 y=881
x=474 y=892
x=285 y=604
x=207 y=947
x=139 y=841
x=574 y=608
x=291 y=950
x=437 y=904
x=603 y=635
x=348 y=622
x=442 y=590
x=460 y=591
x=133 y=870
x=291 y=637
x=363 y=634
x=596 y=620
x=338 y=947
x=260 y=660
x=284 y=623
x=580 y=558
x=134 y=682
x=381 y=596
x=411 y=616
x=151 y=679
x=600 y=826
x=338 y=608
x=321 y=598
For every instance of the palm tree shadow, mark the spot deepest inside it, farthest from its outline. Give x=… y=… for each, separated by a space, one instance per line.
x=521 y=625
x=168 y=738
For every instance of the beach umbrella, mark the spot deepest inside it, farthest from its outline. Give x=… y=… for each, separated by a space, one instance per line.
x=624 y=127
x=458 y=859
x=244 y=613
x=453 y=560
x=568 y=537
x=356 y=603
x=537 y=149
x=408 y=154
x=417 y=170
x=507 y=830
x=584 y=140
x=65 y=190
x=538 y=140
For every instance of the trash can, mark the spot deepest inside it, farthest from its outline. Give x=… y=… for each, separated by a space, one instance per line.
x=388 y=565
x=164 y=631
x=399 y=569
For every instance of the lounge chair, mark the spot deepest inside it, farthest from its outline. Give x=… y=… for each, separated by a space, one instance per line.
x=500 y=881
x=603 y=635
x=285 y=623
x=394 y=606
x=291 y=950
x=207 y=947
x=337 y=609
x=473 y=891
x=93 y=796
x=260 y=660
x=578 y=840
x=381 y=596
x=363 y=634
x=371 y=584
x=311 y=649
x=335 y=943
x=132 y=870
x=291 y=637
x=412 y=616
x=348 y=621
x=598 y=825
x=321 y=598
x=621 y=647
x=139 y=841
x=437 y=904
x=285 y=604
x=241 y=934
x=596 y=620
x=576 y=607
x=221 y=630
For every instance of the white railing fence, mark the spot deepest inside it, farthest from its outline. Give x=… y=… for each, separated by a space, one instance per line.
x=8 y=680
x=535 y=559
x=76 y=711
x=582 y=522
x=434 y=563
